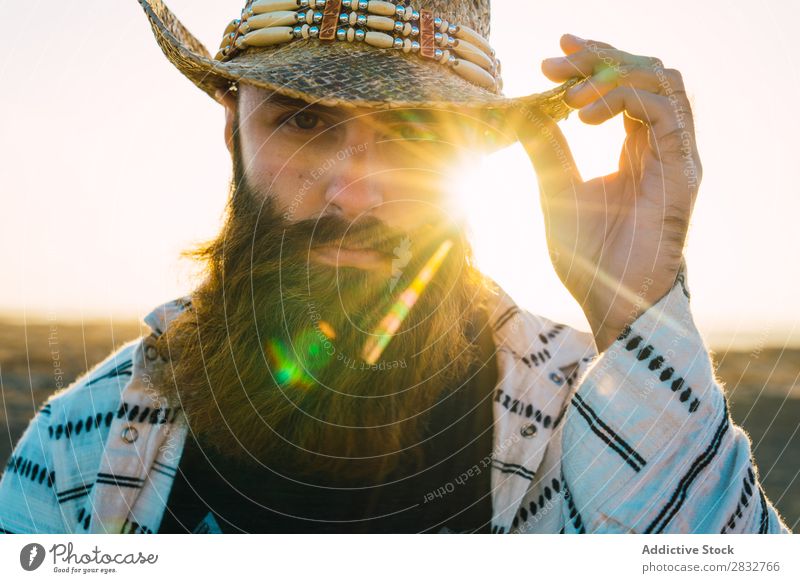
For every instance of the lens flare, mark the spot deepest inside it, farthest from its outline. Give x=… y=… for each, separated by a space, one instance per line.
x=390 y=323
x=327 y=329
x=311 y=352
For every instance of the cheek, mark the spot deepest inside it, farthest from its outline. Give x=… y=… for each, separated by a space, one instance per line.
x=274 y=172
x=414 y=199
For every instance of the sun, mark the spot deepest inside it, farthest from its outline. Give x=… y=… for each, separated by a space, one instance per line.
x=498 y=200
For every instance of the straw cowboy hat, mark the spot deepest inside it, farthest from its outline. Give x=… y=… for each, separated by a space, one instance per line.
x=373 y=53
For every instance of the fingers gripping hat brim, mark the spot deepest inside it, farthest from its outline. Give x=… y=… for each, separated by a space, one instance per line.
x=335 y=74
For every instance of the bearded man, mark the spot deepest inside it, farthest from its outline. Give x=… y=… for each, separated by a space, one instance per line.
x=344 y=367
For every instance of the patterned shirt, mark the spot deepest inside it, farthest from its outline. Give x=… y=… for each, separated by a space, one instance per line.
x=637 y=439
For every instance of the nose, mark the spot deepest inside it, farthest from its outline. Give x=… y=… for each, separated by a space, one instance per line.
x=355 y=185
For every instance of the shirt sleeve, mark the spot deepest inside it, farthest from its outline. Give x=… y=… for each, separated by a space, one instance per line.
x=648 y=443
x=28 y=501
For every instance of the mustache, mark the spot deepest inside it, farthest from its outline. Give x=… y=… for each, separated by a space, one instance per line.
x=367 y=232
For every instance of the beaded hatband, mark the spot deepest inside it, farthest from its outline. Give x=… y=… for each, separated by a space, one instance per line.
x=378 y=23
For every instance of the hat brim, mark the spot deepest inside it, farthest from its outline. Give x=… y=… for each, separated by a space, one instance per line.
x=337 y=74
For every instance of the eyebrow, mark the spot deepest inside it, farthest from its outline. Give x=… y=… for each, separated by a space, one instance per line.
x=284 y=101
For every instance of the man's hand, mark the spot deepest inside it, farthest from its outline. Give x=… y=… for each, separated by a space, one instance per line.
x=616 y=241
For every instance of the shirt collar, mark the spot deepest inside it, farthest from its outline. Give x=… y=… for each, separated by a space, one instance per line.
x=160 y=317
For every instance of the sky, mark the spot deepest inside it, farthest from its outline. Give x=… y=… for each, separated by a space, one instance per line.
x=111 y=162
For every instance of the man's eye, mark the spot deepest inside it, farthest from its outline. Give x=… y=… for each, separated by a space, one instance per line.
x=305 y=120
x=418 y=132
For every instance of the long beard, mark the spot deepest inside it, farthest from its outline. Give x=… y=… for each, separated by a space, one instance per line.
x=268 y=364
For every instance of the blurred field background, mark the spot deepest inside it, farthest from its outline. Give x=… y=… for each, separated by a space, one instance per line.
x=762 y=384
